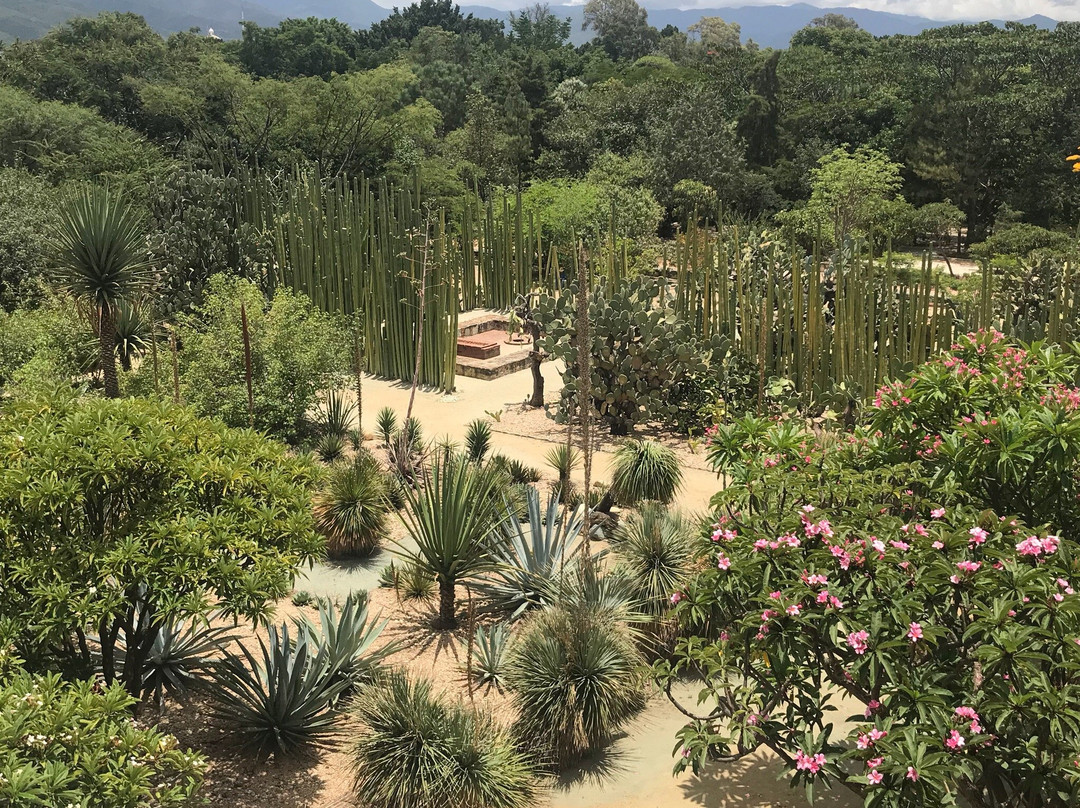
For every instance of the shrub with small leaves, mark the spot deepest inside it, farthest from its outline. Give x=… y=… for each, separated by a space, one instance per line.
x=75 y=743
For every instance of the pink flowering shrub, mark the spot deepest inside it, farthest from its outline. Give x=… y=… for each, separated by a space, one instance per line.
x=878 y=618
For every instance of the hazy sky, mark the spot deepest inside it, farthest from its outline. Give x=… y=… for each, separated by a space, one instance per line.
x=934 y=9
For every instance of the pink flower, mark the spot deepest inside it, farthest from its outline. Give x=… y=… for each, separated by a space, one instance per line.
x=804 y=762
x=877 y=734
x=723 y=562
x=1031 y=546
x=675 y=597
x=863 y=742
x=921 y=530
x=769 y=462
x=835 y=602
x=817 y=579
x=937 y=513
x=808 y=509
x=968 y=566
x=857 y=641
x=915 y=632
x=823 y=596
x=903 y=546
x=978 y=535
x=873 y=763
x=874 y=777
x=954 y=579
x=724 y=636
x=912 y=775
x=776 y=595
x=955 y=740
x=793 y=610
x=872 y=706
x=937 y=545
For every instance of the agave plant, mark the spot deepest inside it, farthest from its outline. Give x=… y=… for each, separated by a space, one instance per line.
x=576 y=679
x=102 y=255
x=415 y=749
x=336 y=414
x=655 y=548
x=386 y=424
x=453 y=520
x=285 y=701
x=351 y=508
x=478 y=440
x=413 y=432
x=489 y=652
x=178 y=656
x=643 y=470
x=530 y=555
x=347 y=638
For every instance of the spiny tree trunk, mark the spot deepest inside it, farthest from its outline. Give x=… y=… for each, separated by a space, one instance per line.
x=107 y=357
x=537 y=357
x=447 y=616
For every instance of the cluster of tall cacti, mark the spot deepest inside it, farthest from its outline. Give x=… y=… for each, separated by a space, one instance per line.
x=852 y=318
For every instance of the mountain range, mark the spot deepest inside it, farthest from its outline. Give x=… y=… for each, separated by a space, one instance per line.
x=769 y=26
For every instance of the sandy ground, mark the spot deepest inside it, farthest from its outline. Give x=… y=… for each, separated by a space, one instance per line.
x=634 y=772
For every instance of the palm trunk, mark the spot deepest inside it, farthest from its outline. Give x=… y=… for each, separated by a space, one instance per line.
x=447 y=616
x=107 y=357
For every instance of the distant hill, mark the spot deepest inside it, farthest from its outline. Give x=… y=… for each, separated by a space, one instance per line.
x=769 y=26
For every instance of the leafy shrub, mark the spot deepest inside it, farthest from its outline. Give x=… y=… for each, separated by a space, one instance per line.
x=488 y=654
x=27 y=222
x=530 y=555
x=640 y=351
x=478 y=440
x=655 y=547
x=283 y=703
x=890 y=566
x=51 y=336
x=575 y=677
x=351 y=508
x=75 y=743
x=415 y=582
x=415 y=749
x=296 y=351
x=121 y=515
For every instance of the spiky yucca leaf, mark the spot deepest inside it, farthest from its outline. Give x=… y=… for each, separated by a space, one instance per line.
x=415 y=749
x=531 y=554
x=330 y=448
x=576 y=679
x=282 y=703
x=654 y=546
x=351 y=508
x=643 y=470
x=478 y=440
x=386 y=424
x=336 y=414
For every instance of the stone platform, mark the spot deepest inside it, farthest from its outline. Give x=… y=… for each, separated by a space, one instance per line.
x=483 y=351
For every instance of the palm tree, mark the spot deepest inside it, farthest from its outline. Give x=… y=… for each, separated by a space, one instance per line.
x=454 y=521
x=101 y=249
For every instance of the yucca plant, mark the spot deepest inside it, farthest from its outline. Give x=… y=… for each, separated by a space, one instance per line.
x=351 y=508
x=564 y=459
x=330 y=448
x=478 y=440
x=405 y=458
x=386 y=424
x=102 y=257
x=336 y=414
x=134 y=334
x=388 y=576
x=282 y=703
x=453 y=520
x=415 y=582
x=530 y=554
x=415 y=749
x=655 y=547
x=643 y=470
x=179 y=656
x=489 y=652
x=521 y=472
x=576 y=678
x=413 y=432
x=347 y=638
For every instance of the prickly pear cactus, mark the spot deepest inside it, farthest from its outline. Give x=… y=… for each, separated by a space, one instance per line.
x=641 y=351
